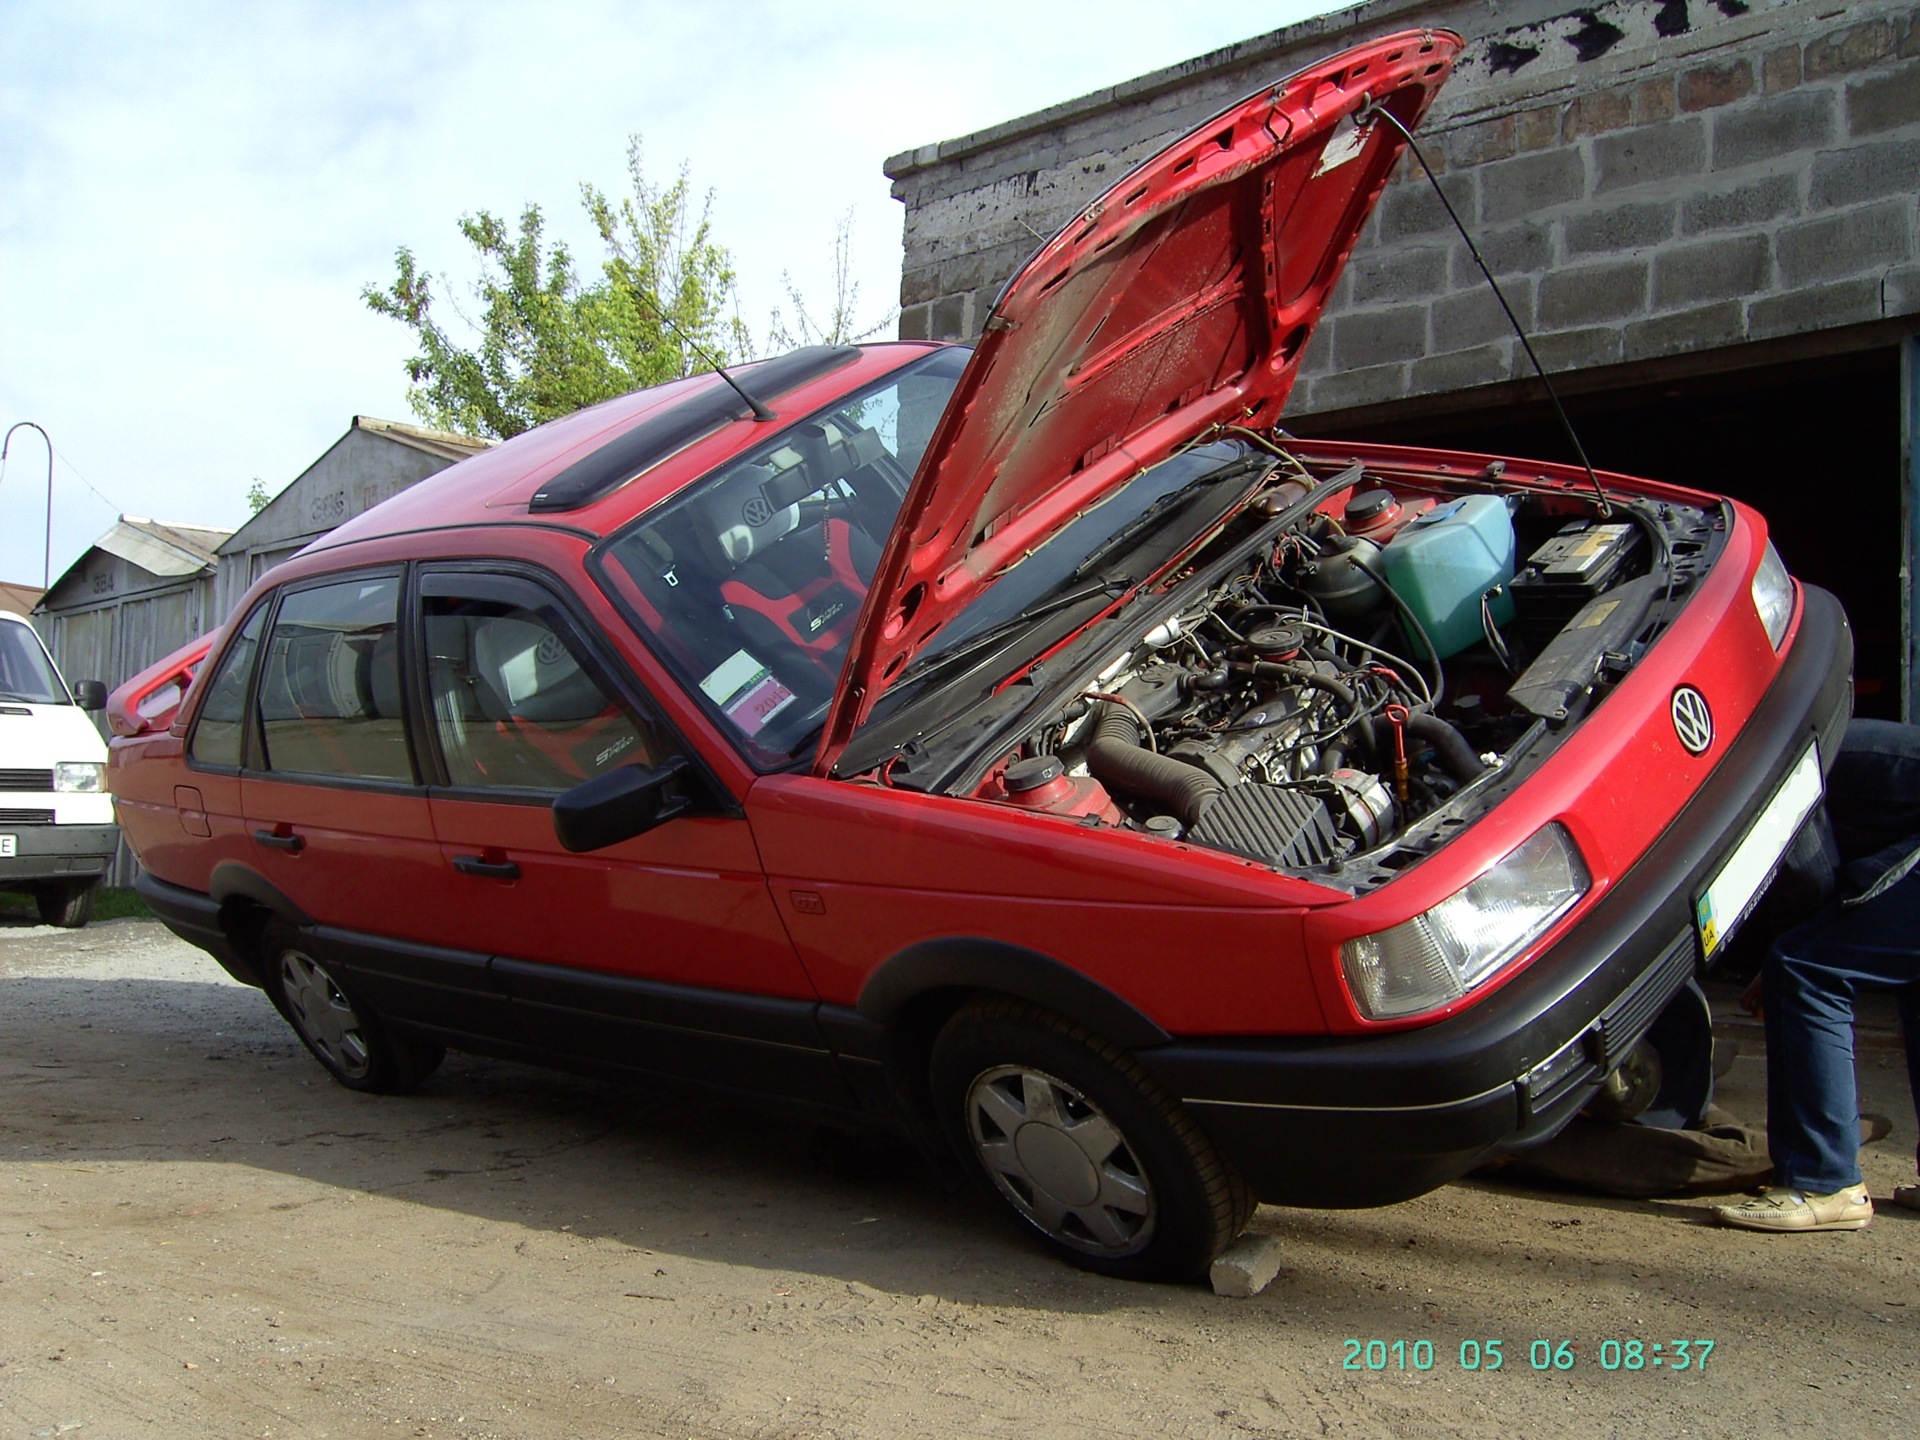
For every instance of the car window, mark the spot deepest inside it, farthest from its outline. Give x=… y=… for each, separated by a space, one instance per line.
x=330 y=683
x=514 y=706
x=25 y=672
x=749 y=582
x=219 y=735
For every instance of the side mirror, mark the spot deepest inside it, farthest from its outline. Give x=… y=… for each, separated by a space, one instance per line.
x=90 y=694
x=621 y=804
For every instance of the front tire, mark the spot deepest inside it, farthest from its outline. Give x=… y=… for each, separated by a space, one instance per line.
x=1083 y=1145
x=66 y=903
x=342 y=1033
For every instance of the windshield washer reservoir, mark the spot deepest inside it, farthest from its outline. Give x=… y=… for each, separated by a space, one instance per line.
x=1444 y=561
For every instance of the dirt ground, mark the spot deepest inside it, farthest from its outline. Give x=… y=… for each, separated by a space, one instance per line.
x=201 y=1235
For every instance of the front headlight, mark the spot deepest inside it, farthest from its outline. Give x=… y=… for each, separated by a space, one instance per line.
x=1439 y=956
x=1773 y=595
x=81 y=777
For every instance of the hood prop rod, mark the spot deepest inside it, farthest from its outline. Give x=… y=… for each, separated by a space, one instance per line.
x=1373 y=109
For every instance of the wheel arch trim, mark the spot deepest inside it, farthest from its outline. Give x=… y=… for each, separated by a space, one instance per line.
x=995 y=966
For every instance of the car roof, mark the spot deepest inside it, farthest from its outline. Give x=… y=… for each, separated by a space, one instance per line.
x=514 y=482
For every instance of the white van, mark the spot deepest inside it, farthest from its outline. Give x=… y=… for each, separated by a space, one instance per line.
x=57 y=835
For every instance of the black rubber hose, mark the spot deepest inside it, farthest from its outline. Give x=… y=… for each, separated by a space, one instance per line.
x=1456 y=755
x=1116 y=757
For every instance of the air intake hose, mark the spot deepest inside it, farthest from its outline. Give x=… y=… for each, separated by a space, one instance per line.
x=1117 y=758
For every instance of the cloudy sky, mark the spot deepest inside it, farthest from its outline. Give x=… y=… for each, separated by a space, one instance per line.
x=193 y=196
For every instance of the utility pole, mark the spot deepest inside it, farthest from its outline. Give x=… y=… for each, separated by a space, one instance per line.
x=46 y=562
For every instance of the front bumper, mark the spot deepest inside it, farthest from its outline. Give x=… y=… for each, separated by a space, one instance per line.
x=1346 y=1122
x=58 y=852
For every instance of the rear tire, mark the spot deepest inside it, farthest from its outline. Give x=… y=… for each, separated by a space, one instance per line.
x=341 y=1032
x=66 y=903
x=1083 y=1145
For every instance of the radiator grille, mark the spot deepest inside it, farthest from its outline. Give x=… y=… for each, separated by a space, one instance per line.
x=26 y=779
x=1627 y=1019
x=26 y=817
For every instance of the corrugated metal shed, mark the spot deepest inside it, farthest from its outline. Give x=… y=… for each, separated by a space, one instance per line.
x=373 y=461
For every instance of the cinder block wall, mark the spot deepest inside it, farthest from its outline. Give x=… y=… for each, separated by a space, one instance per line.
x=1646 y=177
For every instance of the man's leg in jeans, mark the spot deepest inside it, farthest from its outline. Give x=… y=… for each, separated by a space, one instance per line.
x=1811 y=978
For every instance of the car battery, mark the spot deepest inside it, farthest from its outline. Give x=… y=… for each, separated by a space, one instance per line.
x=1584 y=559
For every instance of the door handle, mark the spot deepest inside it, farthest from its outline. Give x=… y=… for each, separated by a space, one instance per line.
x=273 y=840
x=491 y=869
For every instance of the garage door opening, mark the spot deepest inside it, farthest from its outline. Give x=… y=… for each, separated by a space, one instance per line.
x=1814 y=445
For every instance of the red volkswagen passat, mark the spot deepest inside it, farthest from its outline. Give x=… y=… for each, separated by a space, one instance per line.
x=1030 y=747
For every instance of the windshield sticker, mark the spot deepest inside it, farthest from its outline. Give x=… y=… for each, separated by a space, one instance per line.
x=746 y=692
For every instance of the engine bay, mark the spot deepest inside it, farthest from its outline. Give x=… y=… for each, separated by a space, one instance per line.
x=1386 y=648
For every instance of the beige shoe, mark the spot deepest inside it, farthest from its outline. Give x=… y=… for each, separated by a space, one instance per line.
x=1781 y=1209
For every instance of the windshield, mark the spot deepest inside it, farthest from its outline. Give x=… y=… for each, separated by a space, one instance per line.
x=749 y=582
x=25 y=672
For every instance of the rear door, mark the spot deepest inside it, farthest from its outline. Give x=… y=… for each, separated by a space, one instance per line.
x=661 y=953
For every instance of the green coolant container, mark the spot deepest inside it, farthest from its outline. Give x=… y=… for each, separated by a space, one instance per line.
x=1445 y=560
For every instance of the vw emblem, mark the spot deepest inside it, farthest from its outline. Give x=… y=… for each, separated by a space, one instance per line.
x=756 y=512
x=1692 y=720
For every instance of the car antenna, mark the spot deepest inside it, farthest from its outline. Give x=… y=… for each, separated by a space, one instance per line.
x=1374 y=107
x=760 y=411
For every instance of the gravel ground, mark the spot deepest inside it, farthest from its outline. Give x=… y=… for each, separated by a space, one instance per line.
x=201 y=1235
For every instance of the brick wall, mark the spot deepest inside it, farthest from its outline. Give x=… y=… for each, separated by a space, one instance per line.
x=1647 y=178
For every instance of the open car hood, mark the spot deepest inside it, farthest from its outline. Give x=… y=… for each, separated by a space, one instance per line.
x=1179 y=301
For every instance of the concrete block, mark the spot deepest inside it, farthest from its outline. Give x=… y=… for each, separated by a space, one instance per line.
x=1318 y=359
x=1717 y=269
x=1342 y=389
x=1865 y=172
x=1537 y=129
x=1763 y=129
x=1374 y=337
x=1474 y=317
x=1910 y=38
x=1900 y=288
x=1849 y=242
x=1707 y=87
x=1246 y=1267
x=948 y=319
x=1396 y=273
x=1820 y=308
x=1462 y=370
x=1518 y=250
x=1596 y=113
x=1649 y=153
x=1412 y=209
x=916 y=322
x=1573 y=350
x=1479 y=144
x=1854 y=48
x=1583 y=294
x=1884 y=102
x=1735 y=206
x=1701 y=328
x=1617 y=228
x=1531 y=183
x=1780 y=70
x=1653 y=100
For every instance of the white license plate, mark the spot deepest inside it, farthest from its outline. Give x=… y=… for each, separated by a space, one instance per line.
x=7 y=844
x=1725 y=902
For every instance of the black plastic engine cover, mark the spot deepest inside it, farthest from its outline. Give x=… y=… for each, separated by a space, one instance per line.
x=1265 y=822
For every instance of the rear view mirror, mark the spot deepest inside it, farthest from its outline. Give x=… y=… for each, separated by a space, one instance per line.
x=621 y=804
x=90 y=694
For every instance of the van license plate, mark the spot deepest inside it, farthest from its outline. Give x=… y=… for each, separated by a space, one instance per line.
x=1734 y=890
x=7 y=844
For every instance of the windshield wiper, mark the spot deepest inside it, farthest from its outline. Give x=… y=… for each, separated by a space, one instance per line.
x=1106 y=585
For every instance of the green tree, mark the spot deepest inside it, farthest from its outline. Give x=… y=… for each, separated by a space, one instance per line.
x=548 y=343
x=839 y=326
x=257 y=497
